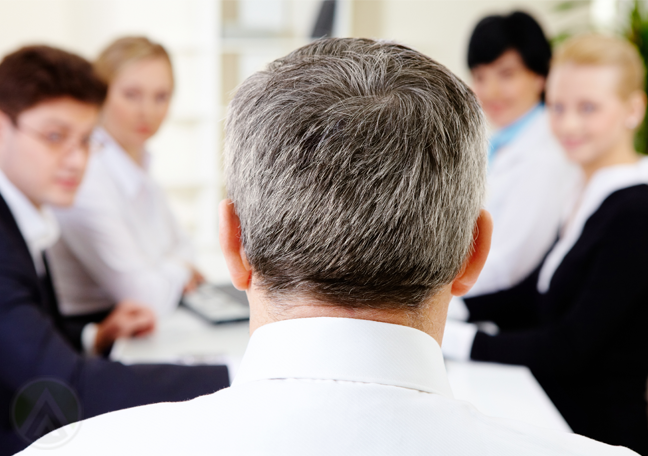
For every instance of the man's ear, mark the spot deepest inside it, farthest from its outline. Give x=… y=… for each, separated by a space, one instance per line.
x=475 y=262
x=229 y=234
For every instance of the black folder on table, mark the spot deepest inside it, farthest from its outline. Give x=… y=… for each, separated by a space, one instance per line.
x=218 y=303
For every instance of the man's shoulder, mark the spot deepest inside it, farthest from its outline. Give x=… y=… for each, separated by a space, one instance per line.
x=15 y=259
x=162 y=428
x=321 y=417
x=505 y=436
x=462 y=425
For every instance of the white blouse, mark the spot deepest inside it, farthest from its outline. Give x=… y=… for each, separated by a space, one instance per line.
x=119 y=240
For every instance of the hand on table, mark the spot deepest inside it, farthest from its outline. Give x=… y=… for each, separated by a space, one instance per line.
x=128 y=319
x=195 y=280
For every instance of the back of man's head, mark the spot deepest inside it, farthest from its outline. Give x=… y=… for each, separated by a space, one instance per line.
x=357 y=170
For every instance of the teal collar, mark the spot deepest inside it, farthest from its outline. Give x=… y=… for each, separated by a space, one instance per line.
x=507 y=134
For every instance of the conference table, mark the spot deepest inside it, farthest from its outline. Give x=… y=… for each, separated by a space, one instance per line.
x=494 y=389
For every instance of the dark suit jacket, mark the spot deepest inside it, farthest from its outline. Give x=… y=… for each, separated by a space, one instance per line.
x=32 y=348
x=586 y=339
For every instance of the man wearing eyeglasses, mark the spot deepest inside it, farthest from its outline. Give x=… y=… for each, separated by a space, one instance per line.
x=49 y=104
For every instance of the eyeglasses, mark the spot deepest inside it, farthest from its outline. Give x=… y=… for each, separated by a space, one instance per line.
x=57 y=141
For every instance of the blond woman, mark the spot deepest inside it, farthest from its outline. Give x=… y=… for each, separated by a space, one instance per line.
x=120 y=240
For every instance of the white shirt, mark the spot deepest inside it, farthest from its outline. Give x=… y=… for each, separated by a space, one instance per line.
x=119 y=240
x=325 y=386
x=37 y=226
x=529 y=180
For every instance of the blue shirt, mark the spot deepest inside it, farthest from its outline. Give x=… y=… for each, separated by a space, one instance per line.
x=507 y=134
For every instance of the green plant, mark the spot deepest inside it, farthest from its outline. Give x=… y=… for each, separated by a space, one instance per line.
x=637 y=33
x=570 y=7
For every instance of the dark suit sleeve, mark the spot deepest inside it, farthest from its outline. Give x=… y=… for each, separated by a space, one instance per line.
x=72 y=326
x=509 y=309
x=616 y=282
x=31 y=348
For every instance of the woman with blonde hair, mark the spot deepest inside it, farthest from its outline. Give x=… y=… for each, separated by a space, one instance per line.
x=120 y=240
x=579 y=321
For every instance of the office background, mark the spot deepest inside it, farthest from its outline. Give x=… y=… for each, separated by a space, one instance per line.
x=215 y=44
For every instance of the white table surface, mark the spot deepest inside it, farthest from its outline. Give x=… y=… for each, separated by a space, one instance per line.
x=494 y=389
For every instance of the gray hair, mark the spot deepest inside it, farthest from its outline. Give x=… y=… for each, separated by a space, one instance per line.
x=357 y=169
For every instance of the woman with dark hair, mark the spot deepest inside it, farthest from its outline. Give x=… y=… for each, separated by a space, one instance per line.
x=529 y=176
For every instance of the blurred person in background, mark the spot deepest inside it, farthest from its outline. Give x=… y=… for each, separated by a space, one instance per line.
x=529 y=177
x=579 y=321
x=120 y=240
x=49 y=105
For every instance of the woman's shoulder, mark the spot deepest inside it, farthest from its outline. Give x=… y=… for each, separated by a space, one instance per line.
x=625 y=205
x=633 y=198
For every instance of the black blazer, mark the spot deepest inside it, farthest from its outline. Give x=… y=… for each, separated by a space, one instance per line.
x=32 y=348
x=586 y=339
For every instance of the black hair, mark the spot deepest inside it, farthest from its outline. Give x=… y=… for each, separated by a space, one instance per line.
x=495 y=35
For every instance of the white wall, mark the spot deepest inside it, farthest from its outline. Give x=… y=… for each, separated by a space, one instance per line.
x=187 y=150
x=442 y=28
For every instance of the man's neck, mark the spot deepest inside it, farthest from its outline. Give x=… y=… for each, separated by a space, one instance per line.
x=429 y=318
x=37 y=226
x=10 y=187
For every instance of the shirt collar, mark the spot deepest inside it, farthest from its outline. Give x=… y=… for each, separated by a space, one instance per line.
x=37 y=226
x=122 y=168
x=345 y=349
x=507 y=134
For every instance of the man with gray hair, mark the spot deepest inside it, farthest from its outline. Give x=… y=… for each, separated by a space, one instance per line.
x=355 y=171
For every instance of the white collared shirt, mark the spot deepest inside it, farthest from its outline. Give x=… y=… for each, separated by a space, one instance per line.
x=37 y=226
x=119 y=240
x=528 y=182
x=326 y=386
